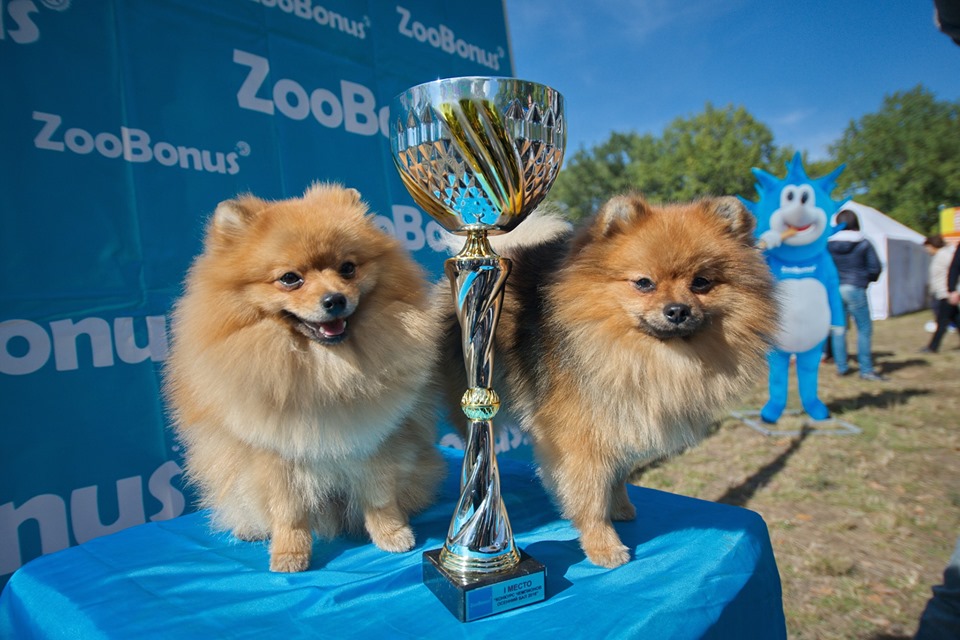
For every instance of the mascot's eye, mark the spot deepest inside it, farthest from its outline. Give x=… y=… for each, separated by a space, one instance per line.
x=701 y=285
x=788 y=195
x=348 y=270
x=645 y=284
x=290 y=280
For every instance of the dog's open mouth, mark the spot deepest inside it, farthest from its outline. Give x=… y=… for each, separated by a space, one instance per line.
x=329 y=332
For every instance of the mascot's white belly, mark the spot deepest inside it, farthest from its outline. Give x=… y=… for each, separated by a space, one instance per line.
x=805 y=319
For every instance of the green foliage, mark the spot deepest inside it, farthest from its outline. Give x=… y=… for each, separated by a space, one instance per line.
x=904 y=159
x=707 y=154
x=712 y=153
x=591 y=177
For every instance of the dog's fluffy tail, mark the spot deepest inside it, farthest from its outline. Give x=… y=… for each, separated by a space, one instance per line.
x=543 y=225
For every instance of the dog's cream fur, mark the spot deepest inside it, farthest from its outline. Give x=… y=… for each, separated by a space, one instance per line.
x=285 y=434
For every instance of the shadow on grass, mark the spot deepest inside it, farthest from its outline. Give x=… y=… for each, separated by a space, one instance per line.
x=886 y=399
x=741 y=494
x=883 y=362
x=897 y=365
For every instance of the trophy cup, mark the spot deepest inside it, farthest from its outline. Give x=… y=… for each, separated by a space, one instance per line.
x=478 y=155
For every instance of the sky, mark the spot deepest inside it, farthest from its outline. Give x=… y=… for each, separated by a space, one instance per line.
x=805 y=69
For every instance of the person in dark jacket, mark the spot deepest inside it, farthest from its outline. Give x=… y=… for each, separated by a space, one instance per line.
x=858 y=266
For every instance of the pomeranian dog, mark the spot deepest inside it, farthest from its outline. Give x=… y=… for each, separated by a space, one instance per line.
x=299 y=375
x=618 y=344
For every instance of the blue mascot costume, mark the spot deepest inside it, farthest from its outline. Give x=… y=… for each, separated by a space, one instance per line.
x=793 y=223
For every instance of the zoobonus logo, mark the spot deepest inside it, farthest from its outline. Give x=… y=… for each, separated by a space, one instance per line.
x=443 y=37
x=26 y=347
x=354 y=109
x=17 y=21
x=308 y=10
x=133 y=145
x=48 y=517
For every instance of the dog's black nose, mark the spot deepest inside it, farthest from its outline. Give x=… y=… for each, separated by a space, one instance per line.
x=676 y=313
x=334 y=303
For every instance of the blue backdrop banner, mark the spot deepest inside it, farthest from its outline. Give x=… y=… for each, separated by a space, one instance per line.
x=123 y=123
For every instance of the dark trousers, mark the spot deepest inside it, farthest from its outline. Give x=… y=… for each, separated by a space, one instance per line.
x=946 y=314
x=941 y=618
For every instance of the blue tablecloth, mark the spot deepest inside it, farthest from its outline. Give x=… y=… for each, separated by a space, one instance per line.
x=700 y=569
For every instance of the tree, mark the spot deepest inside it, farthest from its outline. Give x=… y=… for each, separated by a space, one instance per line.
x=707 y=154
x=590 y=177
x=905 y=159
x=713 y=152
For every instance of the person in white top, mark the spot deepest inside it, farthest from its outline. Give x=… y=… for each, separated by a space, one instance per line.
x=947 y=313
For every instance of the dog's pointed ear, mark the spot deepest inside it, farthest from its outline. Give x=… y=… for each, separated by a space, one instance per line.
x=619 y=212
x=738 y=221
x=335 y=194
x=354 y=195
x=348 y=194
x=233 y=216
x=355 y=201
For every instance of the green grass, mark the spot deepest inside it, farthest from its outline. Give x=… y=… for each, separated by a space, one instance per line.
x=861 y=525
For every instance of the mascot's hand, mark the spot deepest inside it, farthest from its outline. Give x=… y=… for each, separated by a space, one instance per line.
x=837 y=331
x=770 y=239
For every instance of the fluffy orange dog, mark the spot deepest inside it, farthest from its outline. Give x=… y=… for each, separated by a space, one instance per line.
x=619 y=344
x=301 y=355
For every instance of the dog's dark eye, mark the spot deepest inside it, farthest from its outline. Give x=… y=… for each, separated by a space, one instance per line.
x=701 y=285
x=348 y=270
x=290 y=280
x=645 y=284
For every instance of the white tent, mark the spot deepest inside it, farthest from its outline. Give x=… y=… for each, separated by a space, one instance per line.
x=902 y=286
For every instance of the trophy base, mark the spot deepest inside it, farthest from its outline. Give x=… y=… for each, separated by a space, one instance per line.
x=471 y=598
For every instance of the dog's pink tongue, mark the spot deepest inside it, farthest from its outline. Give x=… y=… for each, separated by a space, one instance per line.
x=333 y=328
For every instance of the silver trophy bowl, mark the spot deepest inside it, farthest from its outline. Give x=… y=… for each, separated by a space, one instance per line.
x=478 y=153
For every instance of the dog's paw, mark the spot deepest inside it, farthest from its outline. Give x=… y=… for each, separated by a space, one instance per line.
x=396 y=540
x=290 y=549
x=603 y=547
x=621 y=509
x=289 y=562
x=623 y=512
x=249 y=535
x=609 y=556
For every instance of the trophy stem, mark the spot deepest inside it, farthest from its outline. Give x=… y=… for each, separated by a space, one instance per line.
x=478 y=154
x=480 y=539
